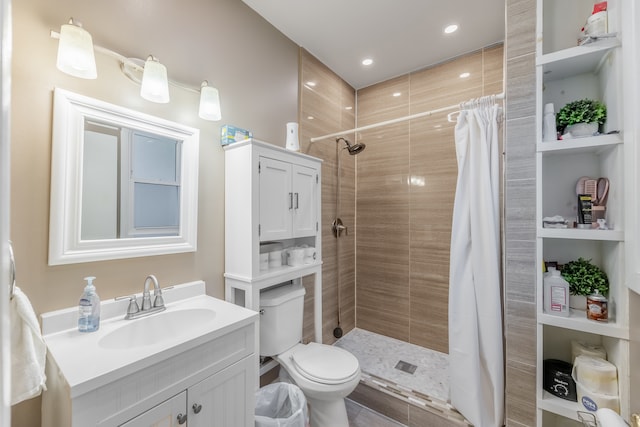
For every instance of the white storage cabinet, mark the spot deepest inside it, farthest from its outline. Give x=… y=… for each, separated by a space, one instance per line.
x=272 y=196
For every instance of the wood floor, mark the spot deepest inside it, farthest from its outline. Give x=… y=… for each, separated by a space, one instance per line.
x=360 y=416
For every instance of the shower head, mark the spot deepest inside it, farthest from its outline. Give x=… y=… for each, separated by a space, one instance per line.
x=353 y=149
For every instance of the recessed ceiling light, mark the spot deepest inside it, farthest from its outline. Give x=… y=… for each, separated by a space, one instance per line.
x=450 y=29
x=367 y=61
x=348 y=108
x=397 y=94
x=312 y=84
x=464 y=75
x=310 y=117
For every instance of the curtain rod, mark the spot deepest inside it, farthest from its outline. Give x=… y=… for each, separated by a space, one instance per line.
x=466 y=104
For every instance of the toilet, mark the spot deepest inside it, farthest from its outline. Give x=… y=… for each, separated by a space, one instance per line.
x=325 y=374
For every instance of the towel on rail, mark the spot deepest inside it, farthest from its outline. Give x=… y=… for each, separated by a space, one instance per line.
x=28 y=350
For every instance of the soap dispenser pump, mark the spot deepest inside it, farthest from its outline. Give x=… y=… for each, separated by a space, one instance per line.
x=89 y=308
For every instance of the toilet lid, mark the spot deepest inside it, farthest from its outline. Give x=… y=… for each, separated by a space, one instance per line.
x=325 y=364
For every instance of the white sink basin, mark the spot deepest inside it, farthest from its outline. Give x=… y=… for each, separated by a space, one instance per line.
x=156 y=328
x=121 y=347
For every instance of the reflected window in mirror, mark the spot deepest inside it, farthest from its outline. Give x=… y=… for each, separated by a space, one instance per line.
x=130 y=183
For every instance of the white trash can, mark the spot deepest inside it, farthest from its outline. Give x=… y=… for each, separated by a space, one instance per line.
x=281 y=405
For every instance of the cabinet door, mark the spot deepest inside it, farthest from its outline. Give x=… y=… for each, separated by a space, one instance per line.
x=167 y=414
x=305 y=187
x=276 y=199
x=225 y=399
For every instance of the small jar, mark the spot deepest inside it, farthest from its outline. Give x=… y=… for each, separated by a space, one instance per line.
x=597 y=307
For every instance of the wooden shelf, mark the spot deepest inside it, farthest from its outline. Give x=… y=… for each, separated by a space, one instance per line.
x=575 y=60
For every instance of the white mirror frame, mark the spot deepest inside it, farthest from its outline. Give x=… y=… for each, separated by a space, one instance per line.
x=65 y=243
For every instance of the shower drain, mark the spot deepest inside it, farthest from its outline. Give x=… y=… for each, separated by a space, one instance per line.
x=406 y=367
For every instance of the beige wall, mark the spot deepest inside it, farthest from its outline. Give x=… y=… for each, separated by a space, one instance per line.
x=255 y=68
x=405 y=188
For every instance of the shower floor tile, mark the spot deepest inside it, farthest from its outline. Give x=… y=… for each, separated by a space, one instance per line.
x=379 y=355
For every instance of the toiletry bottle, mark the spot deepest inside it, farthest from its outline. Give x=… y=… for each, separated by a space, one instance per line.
x=89 y=308
x=556 y=294
x=549 y=132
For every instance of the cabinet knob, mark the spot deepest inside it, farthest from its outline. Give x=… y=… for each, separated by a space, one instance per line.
x=196 y=408
x=181 y=419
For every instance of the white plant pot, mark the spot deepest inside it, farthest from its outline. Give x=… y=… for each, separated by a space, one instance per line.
x=578 y=302
x=582 y=129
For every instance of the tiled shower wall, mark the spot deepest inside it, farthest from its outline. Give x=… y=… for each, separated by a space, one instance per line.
x=327 y=105
x=520 y=230
x=406 y=181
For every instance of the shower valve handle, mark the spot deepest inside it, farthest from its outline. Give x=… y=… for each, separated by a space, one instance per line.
x=338 y=227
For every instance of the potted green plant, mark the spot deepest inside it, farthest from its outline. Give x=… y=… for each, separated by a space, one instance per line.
x=582 y=117
x=584 y=279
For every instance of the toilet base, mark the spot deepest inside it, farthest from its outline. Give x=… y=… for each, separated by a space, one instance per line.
x=327 y=413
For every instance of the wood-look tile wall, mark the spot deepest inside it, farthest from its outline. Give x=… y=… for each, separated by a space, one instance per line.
x=406 y=182
x=327 y=105
x=519 y=223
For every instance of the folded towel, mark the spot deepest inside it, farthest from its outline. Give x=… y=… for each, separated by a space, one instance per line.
x=28 y=350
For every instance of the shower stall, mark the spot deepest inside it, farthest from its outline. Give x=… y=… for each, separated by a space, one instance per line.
x=389 y=277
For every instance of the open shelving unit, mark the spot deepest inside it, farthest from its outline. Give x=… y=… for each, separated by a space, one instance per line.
x=564 y=73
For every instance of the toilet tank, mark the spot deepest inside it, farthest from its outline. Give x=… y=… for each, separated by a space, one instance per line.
x=281 y=310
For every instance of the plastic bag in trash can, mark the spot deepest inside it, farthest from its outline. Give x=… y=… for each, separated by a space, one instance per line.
x=281 y=405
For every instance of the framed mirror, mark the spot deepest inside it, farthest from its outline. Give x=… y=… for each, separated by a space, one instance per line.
x=123 y=183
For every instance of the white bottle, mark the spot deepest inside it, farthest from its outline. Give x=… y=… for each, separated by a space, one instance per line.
x=556 y=294
x=549 y=130
x=89 y=308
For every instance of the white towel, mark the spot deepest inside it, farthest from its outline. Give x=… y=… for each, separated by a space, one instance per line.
x=28 y=350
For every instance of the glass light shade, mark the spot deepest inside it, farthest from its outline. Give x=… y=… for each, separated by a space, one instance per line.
x=155 y=85
x=75 y=52
x=209 y=103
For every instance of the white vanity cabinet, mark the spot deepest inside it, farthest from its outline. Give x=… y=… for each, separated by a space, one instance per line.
x=272 y=202
x=169 y=413
x=200 y=375
x=221 y=400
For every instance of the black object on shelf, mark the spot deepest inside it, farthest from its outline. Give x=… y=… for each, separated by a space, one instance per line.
x=557 y=379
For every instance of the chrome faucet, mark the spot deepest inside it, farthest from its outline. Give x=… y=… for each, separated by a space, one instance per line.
x=134 y=311
x=158 y=301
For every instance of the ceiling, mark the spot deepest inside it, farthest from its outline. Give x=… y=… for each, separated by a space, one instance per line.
x=399 y=35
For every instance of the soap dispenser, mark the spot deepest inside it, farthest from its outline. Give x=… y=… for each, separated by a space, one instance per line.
x=89 y=308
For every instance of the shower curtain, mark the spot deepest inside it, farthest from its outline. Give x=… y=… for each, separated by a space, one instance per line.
x=475 y=309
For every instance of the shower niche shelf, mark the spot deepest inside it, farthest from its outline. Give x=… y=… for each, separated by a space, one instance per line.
x=565 y=73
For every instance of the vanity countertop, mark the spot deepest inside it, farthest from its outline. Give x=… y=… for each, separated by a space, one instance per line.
x=87 y=363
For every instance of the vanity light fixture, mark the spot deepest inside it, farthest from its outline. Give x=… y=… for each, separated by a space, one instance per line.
x=209 y=102
x=75 y=51
x=155 y=85
x=76 y=58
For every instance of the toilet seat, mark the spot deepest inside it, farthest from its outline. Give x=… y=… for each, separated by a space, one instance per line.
x=325 y=364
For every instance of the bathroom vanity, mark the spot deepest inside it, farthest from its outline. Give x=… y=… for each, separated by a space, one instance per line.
x=192 y=363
